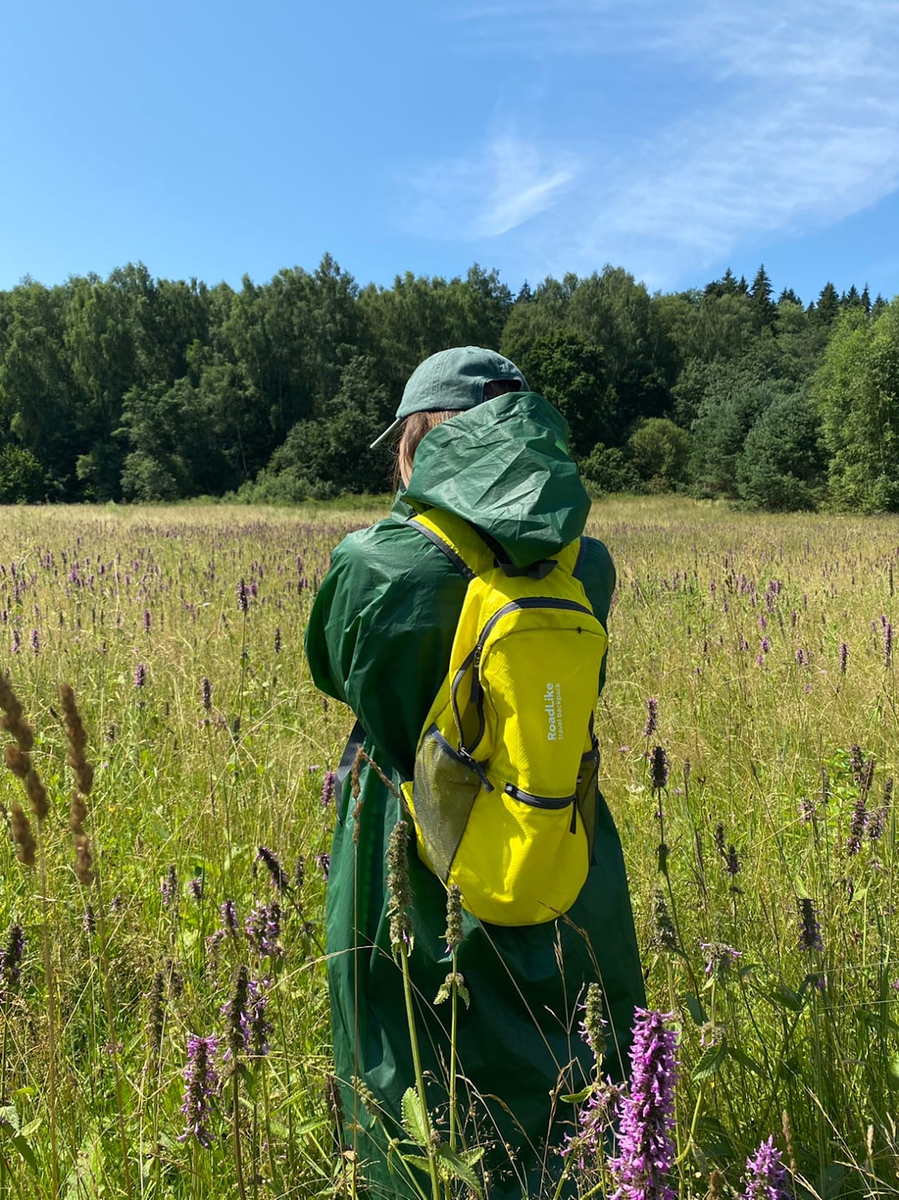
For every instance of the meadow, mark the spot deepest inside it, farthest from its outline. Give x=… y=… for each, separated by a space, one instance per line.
x=162 y=982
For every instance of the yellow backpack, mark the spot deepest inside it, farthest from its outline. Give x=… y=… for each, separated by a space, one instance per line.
x=504 y=791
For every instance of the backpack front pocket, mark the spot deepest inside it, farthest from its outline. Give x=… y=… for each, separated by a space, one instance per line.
x=522 y=859
x=446 y=784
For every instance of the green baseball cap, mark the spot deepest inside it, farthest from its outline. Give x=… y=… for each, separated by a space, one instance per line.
x=453 y=380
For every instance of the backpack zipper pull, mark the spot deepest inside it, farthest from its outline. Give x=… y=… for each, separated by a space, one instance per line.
x=475 y=766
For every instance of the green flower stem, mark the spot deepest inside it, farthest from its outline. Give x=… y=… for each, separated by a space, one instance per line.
x=419 y=1074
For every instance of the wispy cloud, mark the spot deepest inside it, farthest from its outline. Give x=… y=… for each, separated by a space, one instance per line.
x=506 y=182
x=791 y=123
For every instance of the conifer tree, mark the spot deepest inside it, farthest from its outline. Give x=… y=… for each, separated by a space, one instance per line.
x=763 y=308
x=828 y=304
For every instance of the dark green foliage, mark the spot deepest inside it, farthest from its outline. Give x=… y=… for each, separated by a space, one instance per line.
x=570 y=372
x=659 y=451
x=764 y=310
x=735 y=396
x=857 y=395
x=783 y=461
x=21 y=476
x=607 y=469
x=142 y=389
x=828 y=306
x=330 y=453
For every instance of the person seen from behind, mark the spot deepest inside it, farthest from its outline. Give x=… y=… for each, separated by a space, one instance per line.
x=480 y=454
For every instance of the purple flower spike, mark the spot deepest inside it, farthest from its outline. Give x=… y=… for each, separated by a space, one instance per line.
x=201 y=1087
x=766 y=1176
x=652 y=717
x=647 y=1113
x=809 y=926
x=140 y=675
x=329 y=787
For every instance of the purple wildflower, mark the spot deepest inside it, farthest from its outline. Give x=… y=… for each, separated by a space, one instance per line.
x=243 y=596
x=810 y=928
x=195 y=887
x=201 y=1087
x=766 y=1176
x=888 y=645
x=276 y=871
x=35 y=641
x=278 y=640
x=263 y=928
x=169 y=887
x=857 y=825
x=89 y=921
x=257 y=1026
x=807 y=810
x=844 y=657
x=652 y=717
x=140 y=675
x=645 y=1143
x=228 y=910
x=329 y=787
x=11 y=960
x=659 y=767
x=206 y=693
x=16 y=641
x=595 y=1117
x=719 y=959
x=146 y=620
x=856 y=762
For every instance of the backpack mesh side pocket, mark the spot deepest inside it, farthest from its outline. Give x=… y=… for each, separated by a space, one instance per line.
x=444 y=791
x=588 y=794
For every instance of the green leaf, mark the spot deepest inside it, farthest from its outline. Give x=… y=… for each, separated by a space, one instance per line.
x=744 y=1060
x=578 y=1097
x=9 y=1117
x=26 y=1152
x=893 y=1073
x=414 y=1116
x=831 y=1180
x=785 y=997
x=455 y=1167
x=414 y=1160
x=710 y=1062
x=695 y=1009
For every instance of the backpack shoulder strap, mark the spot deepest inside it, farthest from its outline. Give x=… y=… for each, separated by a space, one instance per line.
x=473 y=554
x=465 y=548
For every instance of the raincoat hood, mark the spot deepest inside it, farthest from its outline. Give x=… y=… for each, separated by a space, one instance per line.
x=504 y=467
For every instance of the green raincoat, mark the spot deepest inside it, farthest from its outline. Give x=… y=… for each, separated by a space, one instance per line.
x=379 y=639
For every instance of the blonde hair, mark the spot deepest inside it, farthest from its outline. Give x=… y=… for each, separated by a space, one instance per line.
x=415 y=427
x=418 y=424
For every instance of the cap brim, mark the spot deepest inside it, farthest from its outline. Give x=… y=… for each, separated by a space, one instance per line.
x=387 y=432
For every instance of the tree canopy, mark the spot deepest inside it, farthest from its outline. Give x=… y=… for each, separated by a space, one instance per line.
x=132 y=388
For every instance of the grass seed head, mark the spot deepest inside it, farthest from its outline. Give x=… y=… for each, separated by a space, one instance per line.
x=22 y=835
x=84 y=861
x=13 y=719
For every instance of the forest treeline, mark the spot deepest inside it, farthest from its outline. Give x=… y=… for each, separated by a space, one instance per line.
x=141 y=389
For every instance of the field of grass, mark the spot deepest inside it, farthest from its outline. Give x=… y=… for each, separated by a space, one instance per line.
x=762 y=871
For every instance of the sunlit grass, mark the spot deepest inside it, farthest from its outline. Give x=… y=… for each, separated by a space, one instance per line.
x=733 y=622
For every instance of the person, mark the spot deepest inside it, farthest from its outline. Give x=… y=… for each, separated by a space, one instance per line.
x=475 y=442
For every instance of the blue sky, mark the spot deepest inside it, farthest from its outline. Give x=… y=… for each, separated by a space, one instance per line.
x=535 y=136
